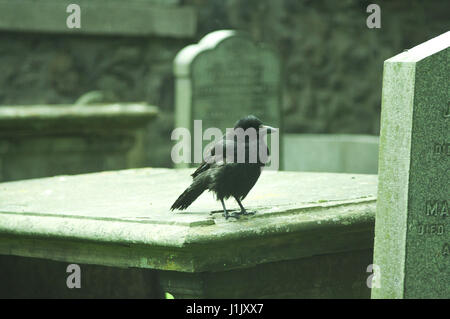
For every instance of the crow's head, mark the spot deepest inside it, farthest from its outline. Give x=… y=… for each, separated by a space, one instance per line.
x=251 y=121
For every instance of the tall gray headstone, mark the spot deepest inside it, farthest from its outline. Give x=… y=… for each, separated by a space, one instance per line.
x=224 y=77
x=412 y=229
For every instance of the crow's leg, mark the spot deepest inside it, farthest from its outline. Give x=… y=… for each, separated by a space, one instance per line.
x=225 y=212
x=243 y=210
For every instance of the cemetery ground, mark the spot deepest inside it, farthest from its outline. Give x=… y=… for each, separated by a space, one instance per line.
x=342 y=216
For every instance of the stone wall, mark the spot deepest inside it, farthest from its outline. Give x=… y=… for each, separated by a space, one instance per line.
x=332 y=61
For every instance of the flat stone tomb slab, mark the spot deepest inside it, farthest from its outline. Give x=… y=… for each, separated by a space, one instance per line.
x=122 y=218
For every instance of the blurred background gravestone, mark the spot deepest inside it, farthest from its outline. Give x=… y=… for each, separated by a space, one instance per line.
x=223 y=78
x=412 y=223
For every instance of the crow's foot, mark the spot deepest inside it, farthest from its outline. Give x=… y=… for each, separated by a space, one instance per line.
x=221 y=211
x=227 y=214
x=244 y=212
x=234 y=215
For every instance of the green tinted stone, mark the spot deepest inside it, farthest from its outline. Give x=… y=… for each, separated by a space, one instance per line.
x=122 y=218
x=311 y=237
x=412 y=231
x=47 y=140
x=101 y=17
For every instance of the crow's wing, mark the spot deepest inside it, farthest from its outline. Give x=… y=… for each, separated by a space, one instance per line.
x=219 y=153
x=226 y=151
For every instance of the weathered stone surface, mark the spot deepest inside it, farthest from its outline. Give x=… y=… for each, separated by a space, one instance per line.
x=122 y=219
x=336 y=275
x=73 y=118
x=48 y=140
x=412 y=224
x=23 y=277
x=311 y=237
x=225 y=77
x=136 y=18
x=336 y=153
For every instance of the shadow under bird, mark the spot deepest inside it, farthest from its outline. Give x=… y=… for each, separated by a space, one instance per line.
x=232 y=167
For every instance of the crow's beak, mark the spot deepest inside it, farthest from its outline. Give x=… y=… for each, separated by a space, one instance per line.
x=269 y=129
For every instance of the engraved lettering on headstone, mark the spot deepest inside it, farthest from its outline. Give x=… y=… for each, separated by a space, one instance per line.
x=441 y=149
x=431 y=229
x=447 y=110
x=437 y=208
x=446 y=249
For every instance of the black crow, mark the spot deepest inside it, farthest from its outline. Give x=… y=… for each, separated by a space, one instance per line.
x=233 y=166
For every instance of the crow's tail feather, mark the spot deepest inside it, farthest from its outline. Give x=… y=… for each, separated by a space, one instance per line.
x=188 y=196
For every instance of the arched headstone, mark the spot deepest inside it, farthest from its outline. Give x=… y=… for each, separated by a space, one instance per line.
x=224 y=77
